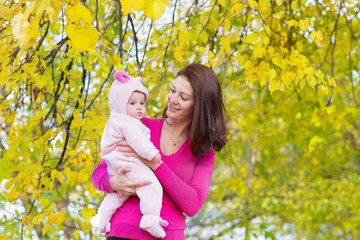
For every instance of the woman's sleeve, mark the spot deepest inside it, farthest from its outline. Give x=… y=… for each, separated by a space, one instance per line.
x=189 y=197
x=100 y=178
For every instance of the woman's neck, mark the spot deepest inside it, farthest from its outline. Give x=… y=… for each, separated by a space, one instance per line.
x=177 y=128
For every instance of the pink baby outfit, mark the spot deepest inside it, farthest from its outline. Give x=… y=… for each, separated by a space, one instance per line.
x=185 y=179
x=118 y=127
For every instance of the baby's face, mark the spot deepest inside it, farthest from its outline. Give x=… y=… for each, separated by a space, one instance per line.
x=136 y=106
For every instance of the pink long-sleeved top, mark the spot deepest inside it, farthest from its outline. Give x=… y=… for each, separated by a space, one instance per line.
x=185 y=180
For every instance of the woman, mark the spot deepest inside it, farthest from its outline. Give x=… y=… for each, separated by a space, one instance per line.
x=192 y=127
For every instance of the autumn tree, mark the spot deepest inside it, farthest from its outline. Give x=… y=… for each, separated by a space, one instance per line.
x=290 y=77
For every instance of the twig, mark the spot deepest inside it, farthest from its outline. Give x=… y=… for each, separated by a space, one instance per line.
x=135 y=40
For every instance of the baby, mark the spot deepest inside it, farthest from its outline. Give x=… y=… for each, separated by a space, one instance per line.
x=127 y=99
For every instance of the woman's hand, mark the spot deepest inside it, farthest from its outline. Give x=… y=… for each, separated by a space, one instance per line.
x=129 y=152
x=120 y=183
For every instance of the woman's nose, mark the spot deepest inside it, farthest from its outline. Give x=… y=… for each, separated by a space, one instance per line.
x=174 y=99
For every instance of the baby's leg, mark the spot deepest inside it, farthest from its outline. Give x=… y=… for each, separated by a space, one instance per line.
x=108 y=206
x=150 y=201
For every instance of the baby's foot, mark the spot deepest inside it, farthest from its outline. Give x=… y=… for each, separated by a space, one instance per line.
x=95 y=221
x=106 y=229
x=156 y=231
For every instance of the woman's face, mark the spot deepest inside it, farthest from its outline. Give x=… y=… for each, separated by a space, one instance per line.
x=180 y=100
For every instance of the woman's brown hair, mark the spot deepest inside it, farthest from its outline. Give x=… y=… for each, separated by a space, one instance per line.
x=208 y=127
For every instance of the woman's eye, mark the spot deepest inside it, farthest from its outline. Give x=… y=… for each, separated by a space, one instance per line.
x=172 y=90
x=183 y=98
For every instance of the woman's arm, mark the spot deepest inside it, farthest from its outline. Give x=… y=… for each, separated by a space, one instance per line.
x=189 y=197
x=117 y=183
x=100 y=178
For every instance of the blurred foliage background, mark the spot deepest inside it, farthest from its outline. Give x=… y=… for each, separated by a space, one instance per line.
x=289 y=70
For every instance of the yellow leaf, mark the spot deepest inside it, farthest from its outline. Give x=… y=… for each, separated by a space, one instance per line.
x=239 y=58
x=265 y=40
x=130 y=6
x=87 y=213
x=20 y=28
x=83 y=176
x=251 y=38
x=320 y=75
x=223 y=3
x=265 y=7
x=263 y=66
x=77 y=121
x=37 y=220
x=46 y=228
x=5 y=12
x=56 y=175
x=41 y=81
x=271 y=51
x=204 y=37
x=312 y=81
x=287 y=79
x=302 y=83
x=167 y=2
x=154 y=9
x=278 y=61
x=71 y=176
x=184 y=38
x=36 y=194
x=56 y=218
x=25 y=220
x=51 y=12
x=259 y=52
x=76 y=12
x=324 y=90
x=211 y=57
x=292 y=23
x=279 y=2
x=60 y=217
x=202 y=49
x=282 y=87
x=248 y=65
x=250 y=78
x=253 y=3
x=317 y=36
x=267 y=29
x=225 y=43
x=294 y=5
x=178 y=54
x=72 y=152
x=304 y=24
x=220 y=56
x=82 y=39
x=274 y=85
x=331 y=81
x=263 y=80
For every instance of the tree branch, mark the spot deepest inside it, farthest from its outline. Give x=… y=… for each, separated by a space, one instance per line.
x=120 y=50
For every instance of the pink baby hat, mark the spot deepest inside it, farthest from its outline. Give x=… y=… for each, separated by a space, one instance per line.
x=121 y=90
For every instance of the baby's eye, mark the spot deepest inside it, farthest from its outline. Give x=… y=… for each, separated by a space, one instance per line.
x=132 y=103
x=142 y=103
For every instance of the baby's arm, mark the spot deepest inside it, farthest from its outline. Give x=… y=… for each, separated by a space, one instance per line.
x=137 y=140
